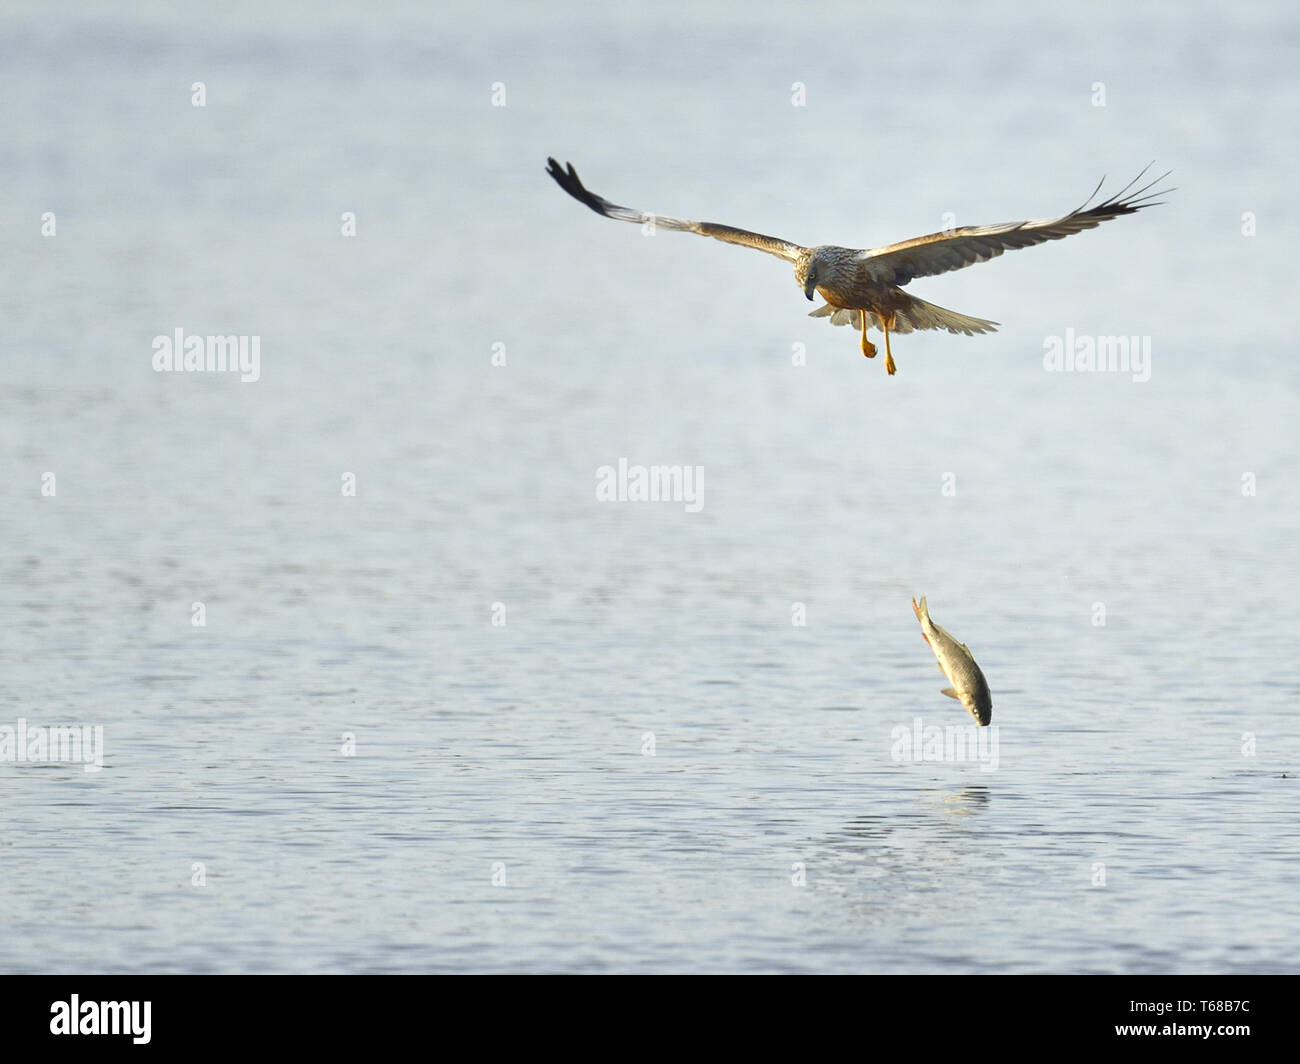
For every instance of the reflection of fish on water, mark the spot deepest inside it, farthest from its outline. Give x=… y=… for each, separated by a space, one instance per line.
x=932 y=805
x=955 y=661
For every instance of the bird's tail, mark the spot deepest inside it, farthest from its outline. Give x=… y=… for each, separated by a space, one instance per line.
x=916 y=314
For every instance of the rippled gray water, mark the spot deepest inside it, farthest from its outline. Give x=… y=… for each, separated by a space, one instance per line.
x=647 y=766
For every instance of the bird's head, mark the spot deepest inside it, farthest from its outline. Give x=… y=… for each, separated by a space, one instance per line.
x=818 y=267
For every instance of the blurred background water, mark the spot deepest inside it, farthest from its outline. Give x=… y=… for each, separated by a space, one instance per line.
x=648 y=766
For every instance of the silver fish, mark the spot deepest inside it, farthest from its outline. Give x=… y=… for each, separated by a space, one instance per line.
x=955 y=661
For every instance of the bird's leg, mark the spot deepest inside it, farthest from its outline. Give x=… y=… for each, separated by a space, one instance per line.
x=885 y=323
x=868 y=348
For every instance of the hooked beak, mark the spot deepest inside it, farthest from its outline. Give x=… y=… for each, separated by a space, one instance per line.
x=808 y=287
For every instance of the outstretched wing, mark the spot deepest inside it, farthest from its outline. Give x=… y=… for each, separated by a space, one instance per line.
x=568 y=180
x=941 y=252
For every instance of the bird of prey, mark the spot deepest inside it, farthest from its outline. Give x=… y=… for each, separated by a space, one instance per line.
x=864 y=288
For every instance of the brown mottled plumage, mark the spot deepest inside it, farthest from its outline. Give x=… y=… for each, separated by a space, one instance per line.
x=864 y=288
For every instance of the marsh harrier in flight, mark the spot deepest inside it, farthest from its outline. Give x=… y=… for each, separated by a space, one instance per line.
x=864 y=288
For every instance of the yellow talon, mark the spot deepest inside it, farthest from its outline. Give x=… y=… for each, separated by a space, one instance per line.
x=868 y=348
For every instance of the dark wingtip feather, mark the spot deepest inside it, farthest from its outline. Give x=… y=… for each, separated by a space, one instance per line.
x=565 y=181
x=1126 y=202
x=572 y=184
